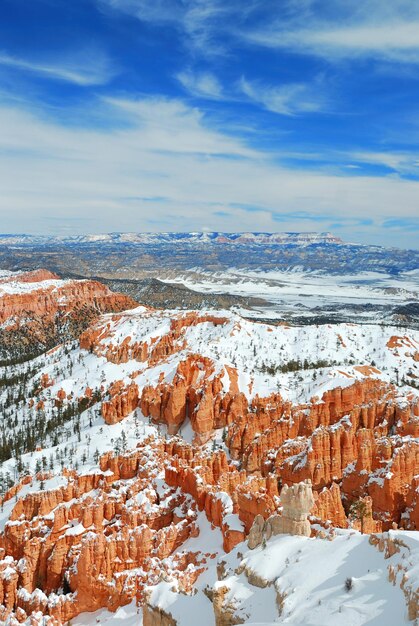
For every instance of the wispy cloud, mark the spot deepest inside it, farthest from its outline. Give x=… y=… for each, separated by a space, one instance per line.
x=403 y=224
x=198 y=20
x=288 y=99
x=90 y=67
x=157 y=11
x=338 y=29
x=333 y=29
x=403 y=163
x=170 y=126
x=393 y=42
x=201 y=84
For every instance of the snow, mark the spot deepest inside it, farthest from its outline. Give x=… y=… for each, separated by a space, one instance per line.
x=128 y=615
x=75 y=530
x=10 y=284
x=297 y=293
x=308 y=577
x=233 y=522
x=251 y=347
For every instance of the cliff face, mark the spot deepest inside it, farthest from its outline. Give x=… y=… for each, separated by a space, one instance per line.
x=44 y=294
x=38 y=309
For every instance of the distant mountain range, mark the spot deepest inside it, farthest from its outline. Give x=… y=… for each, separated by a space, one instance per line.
x=164 y=255
x=193 y=237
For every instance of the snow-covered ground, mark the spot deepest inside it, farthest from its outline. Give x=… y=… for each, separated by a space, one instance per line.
x=14 y=287
x=308 y=582
x=261 y=352
x=299 y=293
x=129 y=615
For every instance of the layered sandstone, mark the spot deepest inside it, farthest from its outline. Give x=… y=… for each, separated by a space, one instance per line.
x=123 y=400
x=38 y=310
x=49 y=295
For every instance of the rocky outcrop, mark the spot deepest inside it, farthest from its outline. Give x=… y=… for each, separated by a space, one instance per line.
x=153 y=350
x=328 y=507
x=412 y=504
x=154 y=616
x=256 y=534
x=49 y=295
x=297 y=502
x=38 y=310
x=123 y=400
x=224 y=610
x=391 y=544
x=197 y=393
x=353 y=436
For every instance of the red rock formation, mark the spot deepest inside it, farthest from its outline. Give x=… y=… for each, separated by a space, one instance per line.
x=89 y=535
x=154 y=350
x=34 y=276
x=195 y=392
x=345 y=437
x=45 y=300
x=123 y=400
x=328 y=507
x=412 y=505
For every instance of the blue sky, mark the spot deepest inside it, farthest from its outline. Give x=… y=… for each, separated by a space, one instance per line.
x=272 y=115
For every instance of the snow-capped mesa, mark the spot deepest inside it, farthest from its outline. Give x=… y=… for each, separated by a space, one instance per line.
x=167 y=464
x=180 y=238
x=38 y=309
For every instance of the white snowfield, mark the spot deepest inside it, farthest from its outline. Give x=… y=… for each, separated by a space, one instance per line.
x=308 y=582
x=260 y=352
x=298 y=293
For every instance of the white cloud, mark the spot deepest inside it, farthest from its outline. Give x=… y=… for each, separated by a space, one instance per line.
x=156 y=11
x=288 y=99
x=392 y=42
x=166 y=169
x=197 y=19
x=90 y=67
x=170 y=126
x=398 y=161
x=201 y=84
x=336 y=29
x=207 y=27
